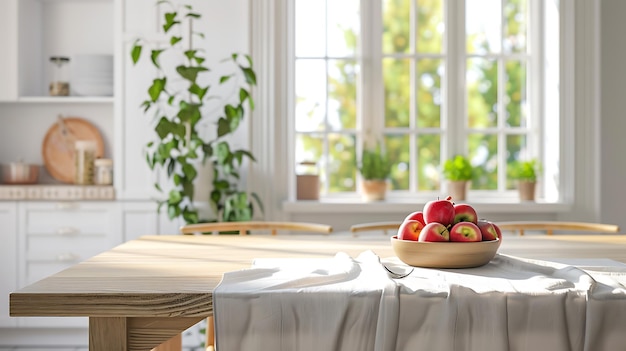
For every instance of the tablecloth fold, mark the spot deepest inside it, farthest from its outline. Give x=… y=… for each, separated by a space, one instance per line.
x=345 y=303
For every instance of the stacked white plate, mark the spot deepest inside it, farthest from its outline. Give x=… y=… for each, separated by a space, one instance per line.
x=92 y=75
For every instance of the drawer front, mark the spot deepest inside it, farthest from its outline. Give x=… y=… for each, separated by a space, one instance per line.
x=64 y=249
x=54 y=236
x=68 y=222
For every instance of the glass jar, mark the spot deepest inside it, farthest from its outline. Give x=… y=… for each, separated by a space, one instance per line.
x=59 y=82
x=103 y=171
x=84 y=157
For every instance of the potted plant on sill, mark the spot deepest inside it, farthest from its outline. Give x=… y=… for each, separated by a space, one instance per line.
x=525 y=172
x=459 y=172
x=375 y=169
x=178 y=98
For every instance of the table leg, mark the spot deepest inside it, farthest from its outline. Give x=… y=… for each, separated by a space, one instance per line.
x=108 y=334
x=173 y=344
x=138 y=333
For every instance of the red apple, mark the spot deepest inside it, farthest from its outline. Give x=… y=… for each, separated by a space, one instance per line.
x=410 y=230
x=418 y=216
x=440 y=211
x=498 y=231
x=464 y=213
x=434 y=232
x=487 y=230
x=465 y=231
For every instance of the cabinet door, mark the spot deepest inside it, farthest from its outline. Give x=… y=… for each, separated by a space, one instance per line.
x=56 y=235
x=141 y=218
x=134 y=179
x=8 y=43
x=8 y=260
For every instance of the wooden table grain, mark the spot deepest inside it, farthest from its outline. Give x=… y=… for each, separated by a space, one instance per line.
x=140 y=294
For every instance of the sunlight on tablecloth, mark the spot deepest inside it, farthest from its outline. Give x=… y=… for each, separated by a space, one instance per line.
x=345 y=303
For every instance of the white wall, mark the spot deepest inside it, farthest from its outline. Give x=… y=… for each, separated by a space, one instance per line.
x=613 y=116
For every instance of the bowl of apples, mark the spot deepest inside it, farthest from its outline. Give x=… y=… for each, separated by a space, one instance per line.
x=446 y=235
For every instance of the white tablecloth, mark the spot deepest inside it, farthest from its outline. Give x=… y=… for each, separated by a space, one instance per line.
x=345 y=303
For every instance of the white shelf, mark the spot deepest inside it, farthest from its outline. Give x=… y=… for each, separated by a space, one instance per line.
x=65 y=99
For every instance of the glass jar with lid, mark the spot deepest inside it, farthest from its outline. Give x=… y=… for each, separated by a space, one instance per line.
x=84 y=158
x=59 y=81
x=103 y=169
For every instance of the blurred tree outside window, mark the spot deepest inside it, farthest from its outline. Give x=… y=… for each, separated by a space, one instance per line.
x=429 y=78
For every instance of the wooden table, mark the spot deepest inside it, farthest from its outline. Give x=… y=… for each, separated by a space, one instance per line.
x=146 y=291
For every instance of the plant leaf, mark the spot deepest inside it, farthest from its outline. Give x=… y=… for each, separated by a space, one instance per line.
x=170 y=20
x=223 y=127
x=173 y=211
x=190 y=54
x=243 y=95
x=190 y=73
x=155 y=57
x=189 y=171
x=224 y=79
x=157 y=87
x=198 y=91
x=170 y=167
x=174 y=40
x=249 y=74
x=175 y=197
x=135 y=53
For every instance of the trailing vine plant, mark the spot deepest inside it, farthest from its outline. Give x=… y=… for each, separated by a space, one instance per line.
x=178 y=99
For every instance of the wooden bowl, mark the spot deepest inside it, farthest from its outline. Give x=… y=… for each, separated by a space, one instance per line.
x=445 y=254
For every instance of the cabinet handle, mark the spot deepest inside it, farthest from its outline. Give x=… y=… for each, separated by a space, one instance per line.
x=67 y=205
x=68 y=257
x=68 y=231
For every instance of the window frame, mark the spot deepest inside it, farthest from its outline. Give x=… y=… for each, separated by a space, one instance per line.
x=270 y=132
x=453 y=131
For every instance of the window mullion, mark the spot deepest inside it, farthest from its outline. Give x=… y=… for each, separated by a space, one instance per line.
x=501 y=121
x=454 y=123
x=371 y=114
x=413 y=169
x=325 y=143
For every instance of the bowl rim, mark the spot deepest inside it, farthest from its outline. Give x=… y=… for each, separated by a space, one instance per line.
x=395 y=237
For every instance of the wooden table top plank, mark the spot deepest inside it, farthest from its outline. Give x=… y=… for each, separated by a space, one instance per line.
x=177 y=274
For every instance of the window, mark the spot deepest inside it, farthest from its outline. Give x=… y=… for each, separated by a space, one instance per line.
x=429 y=79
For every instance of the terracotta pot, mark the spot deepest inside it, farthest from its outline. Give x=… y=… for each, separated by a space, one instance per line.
x=526 y=190
x=308 y=187
x=373 y=190
x=458 y=189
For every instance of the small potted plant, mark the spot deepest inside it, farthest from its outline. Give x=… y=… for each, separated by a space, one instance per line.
x=375 y=169
x=459 y=172
x=525 y=172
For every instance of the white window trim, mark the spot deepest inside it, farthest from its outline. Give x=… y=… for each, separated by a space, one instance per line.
x=271 y=136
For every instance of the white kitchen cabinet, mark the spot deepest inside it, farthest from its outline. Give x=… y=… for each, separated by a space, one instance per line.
x=56 y=235
x=141 y=218
x=8 y=259
x=8 y=41
x=41 y=237
x=58 y=28
x=31 y=32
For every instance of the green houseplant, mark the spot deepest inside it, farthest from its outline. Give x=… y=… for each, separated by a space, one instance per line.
x=375 y=169
x=459 y=172
x=525 y=172
x=178 y=97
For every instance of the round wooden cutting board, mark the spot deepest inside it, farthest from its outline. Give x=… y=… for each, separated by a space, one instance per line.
x=58 y=146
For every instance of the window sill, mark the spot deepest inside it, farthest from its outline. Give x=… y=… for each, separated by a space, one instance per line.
x=353 y=205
